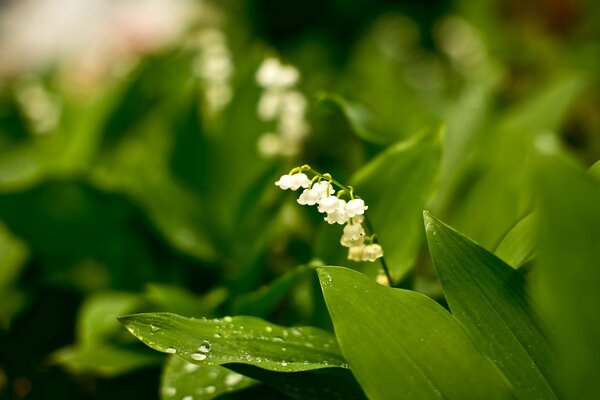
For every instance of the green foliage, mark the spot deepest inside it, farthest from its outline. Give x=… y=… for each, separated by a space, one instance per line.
x=568 y=269
x=487 y=297
x=401 y=343
x=126 y=193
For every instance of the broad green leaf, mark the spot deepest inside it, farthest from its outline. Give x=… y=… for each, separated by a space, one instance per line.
x=201 y=382
x=569 y=273
x=360 y=119
x=239 y=339
x=518 y=246
x=104 y=359
x=396 y=185
x=402 y=344
x=487 y=296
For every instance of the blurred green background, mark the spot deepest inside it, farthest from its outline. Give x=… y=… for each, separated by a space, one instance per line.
x=131 y=178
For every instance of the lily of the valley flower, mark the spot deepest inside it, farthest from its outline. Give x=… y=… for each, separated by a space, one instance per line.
x=319 y=191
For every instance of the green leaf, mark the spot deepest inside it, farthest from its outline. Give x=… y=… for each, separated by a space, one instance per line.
x=487 y=296
x=518 y=246
x=569 y=276
x=14 y=253
x=359 y=118
x=396 y=185
x=245 y=340
x=402 y=344
x=201 y=382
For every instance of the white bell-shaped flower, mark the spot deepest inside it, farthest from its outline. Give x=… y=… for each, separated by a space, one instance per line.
x=308 y=197
x=356 y=253
x=293 y=182
x=344 y=241
x=356 y=207
x=354 y=231
x=323 y=189
x=338 y=215
x=328 y=204
x=372 y=252
x=299 y=180
x=285 y=182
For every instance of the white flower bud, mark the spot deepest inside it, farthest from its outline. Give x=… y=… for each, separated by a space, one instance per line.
x=309 y=197
x=356 y=207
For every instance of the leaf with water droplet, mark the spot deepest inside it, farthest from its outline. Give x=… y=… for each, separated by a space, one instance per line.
x=242 y=340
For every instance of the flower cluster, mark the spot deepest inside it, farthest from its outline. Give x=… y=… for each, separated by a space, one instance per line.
x=319 y=191
x=281 y=103
x=213 y=65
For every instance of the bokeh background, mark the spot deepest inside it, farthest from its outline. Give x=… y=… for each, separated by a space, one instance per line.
x=136 y=169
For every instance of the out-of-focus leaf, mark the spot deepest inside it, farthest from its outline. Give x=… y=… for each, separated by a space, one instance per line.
x=402 y=344
x=259 y=303
x=105 y=359
x=396 y=185
x=137 y=167
x=568 y=267
x=359 y=118
x=13 y=252
x=97 y=320
x=487 y=296
x=202 y=382
x=179 y=300
x=518 y=246
x=496 y=187
x=246 y=340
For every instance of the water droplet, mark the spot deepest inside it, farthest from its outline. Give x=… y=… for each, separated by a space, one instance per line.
x=296 y=332
x=283 y=349
x=171 y=350
x=284 y=364
x=217 y=335
x=233 y=379
x=227 y=319
x=198 y=356
x=285 y=333
x=170 y=391
x=188 y=398
x=210 y=389
x=205 y=346
x=154 y=328
x=269 y=329
x=278 y=339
